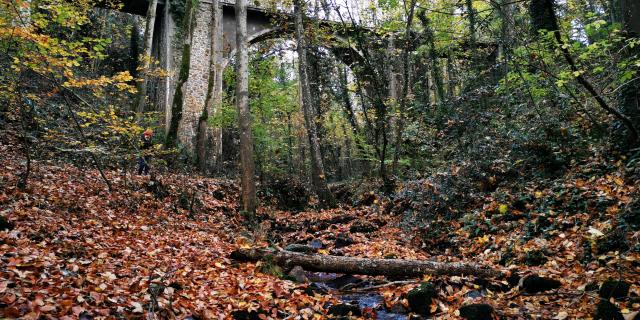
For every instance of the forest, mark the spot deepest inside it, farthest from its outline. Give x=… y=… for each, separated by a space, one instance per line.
x=320 y=159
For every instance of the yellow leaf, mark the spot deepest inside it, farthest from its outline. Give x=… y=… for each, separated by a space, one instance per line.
x=503 y=208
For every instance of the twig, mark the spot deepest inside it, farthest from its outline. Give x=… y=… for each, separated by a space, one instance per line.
x=83 y=137
x=388 y=284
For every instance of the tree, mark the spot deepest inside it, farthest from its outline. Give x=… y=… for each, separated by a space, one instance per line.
x=145 y=59
x=405 y=84
x=178 y=101
x=248 y=184
x=318 y=178
x=543 y=17
x=629 y=97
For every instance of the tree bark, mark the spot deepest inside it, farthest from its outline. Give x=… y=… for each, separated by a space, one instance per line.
x=364 y=266
x=249 y=200
x=183 y=76
x=629 y=97
x=318 y=178
x=146 y=58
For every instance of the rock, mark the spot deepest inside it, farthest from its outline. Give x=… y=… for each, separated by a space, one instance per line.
x=343 y=240
x=607 y=311
x=344 y=309
x=614 y=241
x=477 y=311
x=363 y=227
x=301 y=248
x=85 y=316
x=591 y=286
x=535 y=284
x=421 y=297
x=342 y=281
x=247 y=315
x=218 y=194
x=513 y=279
x=614 y=289
x=5 y=224
x=314 y=289
x=474 y=294
x=631 y=214
x=535 y=258
x=298 y=274
x=316 y=244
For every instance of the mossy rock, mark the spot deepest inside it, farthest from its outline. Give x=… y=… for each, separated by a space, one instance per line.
x=301 y=248
x=421 y=297
x=535 y=258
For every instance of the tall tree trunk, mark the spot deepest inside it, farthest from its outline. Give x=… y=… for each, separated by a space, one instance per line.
x=471 y=15
x=318 y=178
x=346 y=99
x=629 y=98
x=146 y=58
x=436 y=70
x=134 y=49
x=405 y=87
x=249 y=200
x=451 y=84
x=543 y=16
x=171 y=138
x=209 y=104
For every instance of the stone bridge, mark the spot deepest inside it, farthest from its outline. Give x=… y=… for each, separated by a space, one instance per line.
x=218 y=40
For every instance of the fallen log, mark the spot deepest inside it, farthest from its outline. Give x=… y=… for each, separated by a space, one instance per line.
x=363 y=266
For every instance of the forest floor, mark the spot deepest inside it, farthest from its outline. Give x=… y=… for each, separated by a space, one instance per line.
x=71 y=249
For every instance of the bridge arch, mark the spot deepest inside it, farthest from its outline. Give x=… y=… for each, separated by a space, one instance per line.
x=261 y=26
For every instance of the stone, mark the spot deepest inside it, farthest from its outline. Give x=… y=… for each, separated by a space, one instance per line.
x=5 y=224
x=513 y=279
x=363 y=227
x=247 y=315
x=614 y=241
x=314 y=288
x=342 y=281
x=344 y=309
x=607 y=311
x=474 y=294
x=298 y=274
x=301 y=248
x=535 y=258
x=421 y=297
x=535 y=284
x=614 y=289
x=316 y=244
x=591 y=286
x=343 y=240
x=477 y=311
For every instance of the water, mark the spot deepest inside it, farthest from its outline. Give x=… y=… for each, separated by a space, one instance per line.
x=372 y=301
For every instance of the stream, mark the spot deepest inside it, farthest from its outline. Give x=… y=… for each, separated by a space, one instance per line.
x=367 y=302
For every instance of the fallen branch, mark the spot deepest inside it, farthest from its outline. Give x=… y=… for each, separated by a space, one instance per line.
x=364 y=266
